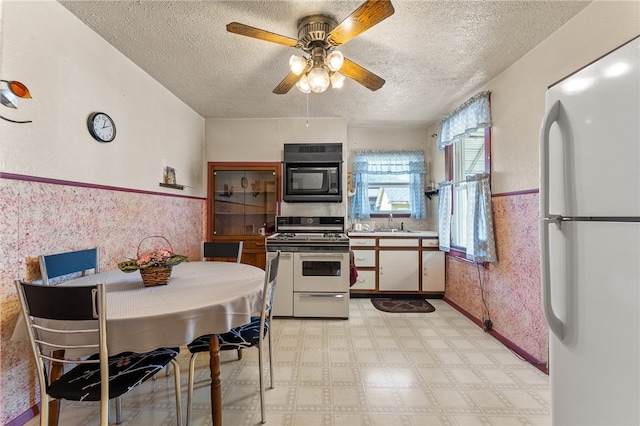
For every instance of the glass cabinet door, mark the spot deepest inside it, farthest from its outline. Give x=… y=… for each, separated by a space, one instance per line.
x=244 y=201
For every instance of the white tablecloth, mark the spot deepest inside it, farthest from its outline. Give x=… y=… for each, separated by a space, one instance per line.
x=201 y=298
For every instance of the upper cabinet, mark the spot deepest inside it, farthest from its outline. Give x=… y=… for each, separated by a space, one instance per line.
x=243 y=201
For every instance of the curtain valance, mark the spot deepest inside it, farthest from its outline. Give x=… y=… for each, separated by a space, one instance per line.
x=389 y=162
x=474 y=114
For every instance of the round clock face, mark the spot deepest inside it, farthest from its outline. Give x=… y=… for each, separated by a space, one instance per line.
x=101 y=127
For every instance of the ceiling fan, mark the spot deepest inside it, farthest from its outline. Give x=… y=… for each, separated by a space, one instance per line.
x=318 y=37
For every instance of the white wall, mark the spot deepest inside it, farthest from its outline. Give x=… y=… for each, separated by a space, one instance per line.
x=72 y=72
x=517 y=95
x=248 y=140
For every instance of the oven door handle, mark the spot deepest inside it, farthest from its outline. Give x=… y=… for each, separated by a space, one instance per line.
x=336 y=295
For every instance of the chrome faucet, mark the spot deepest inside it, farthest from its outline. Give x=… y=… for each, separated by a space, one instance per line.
x=389 y=220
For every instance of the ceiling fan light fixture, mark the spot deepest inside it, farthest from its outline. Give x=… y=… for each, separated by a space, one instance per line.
x=335 y=60
x=318 y=79
x=303 y=84
x=337 y=80
x=297 y=64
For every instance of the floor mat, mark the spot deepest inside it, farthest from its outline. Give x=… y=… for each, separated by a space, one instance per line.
x=402 y=305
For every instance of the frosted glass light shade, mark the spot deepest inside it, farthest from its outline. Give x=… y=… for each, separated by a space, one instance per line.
x=337 y=80
x=297 y=64
x=335 y=60
x=318 y=80
x=303 y=84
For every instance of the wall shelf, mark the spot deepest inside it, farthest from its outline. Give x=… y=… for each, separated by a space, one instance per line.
x=172 y=186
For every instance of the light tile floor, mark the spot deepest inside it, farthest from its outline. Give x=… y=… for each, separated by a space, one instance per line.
x=376 y=368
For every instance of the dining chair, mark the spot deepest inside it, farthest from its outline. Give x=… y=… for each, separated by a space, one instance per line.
x=245 y=336
x=61 y=264
x=70 y=321
x=222 y=250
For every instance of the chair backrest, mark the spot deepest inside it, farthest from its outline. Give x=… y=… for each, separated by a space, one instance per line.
x=222 y=250
x=48 y=310
x=270 y=280
x=60 y=264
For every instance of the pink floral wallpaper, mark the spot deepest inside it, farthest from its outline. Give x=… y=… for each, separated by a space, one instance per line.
x=43 y=218
x=511 y=285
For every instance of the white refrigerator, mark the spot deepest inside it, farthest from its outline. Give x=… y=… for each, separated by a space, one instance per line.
x=590 y=240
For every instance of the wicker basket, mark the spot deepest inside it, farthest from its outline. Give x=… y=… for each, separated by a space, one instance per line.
x=155 y=276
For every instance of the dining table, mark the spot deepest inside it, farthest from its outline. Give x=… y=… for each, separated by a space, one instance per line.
x=201 y=298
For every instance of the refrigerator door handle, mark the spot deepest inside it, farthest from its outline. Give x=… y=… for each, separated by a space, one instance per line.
x=550 y=118
x=555 y=324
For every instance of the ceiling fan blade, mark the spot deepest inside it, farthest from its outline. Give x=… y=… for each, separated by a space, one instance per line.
x=361 y=75
x=248 y=31
x=287 y=83
x=366 y=16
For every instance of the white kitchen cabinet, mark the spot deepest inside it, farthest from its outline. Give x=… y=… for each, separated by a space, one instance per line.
x=398 y=263
x=365 y=258
x=283 y=299
x=398 y=270
x=366 y=280
x=433 y=271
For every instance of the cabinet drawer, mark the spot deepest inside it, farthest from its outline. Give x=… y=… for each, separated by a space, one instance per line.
x=322 y=305
x=366 y=281
x=256 y=245
x=398 y=242
x=362 y=242
x=430 y=242
x=365 y=258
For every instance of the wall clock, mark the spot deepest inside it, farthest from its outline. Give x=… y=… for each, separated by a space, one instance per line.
x=101 y=127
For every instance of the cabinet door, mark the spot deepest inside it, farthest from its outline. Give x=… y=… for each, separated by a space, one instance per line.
x=398 y=270
x=433 y=271
x=242 y=202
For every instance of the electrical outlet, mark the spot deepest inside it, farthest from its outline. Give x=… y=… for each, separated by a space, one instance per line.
x=487 y=325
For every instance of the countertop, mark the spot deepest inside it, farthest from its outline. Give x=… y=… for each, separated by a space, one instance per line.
x=405 y=234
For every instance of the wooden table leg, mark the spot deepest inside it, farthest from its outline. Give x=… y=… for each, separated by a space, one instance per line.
x=57 y=368
x=216 y=390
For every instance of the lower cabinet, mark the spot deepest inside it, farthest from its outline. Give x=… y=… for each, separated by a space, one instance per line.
x=398 y=265
x=433 y=271
x=398 y=270
x=366 y=280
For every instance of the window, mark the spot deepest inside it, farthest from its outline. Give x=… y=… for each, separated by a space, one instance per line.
x=388 y=182
x=389 y=194
x=465 y=218
x=468 y=156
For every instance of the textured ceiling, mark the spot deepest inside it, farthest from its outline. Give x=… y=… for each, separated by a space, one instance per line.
x=431 y=53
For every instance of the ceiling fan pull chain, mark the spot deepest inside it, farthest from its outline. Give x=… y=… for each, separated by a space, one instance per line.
x=307 y=110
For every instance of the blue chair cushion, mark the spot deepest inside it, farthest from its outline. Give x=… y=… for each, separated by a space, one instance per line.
x=126 y=370
x=245 y=336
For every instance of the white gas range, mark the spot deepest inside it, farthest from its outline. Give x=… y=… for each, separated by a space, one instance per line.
x=313 y=275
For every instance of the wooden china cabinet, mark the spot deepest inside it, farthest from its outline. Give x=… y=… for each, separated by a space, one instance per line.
x=243 y=201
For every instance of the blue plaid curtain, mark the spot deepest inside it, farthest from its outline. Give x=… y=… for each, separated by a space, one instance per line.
x=384 y=163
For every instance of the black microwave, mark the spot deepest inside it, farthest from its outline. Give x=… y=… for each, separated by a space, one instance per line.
x=312 y=173
x=312 y=182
